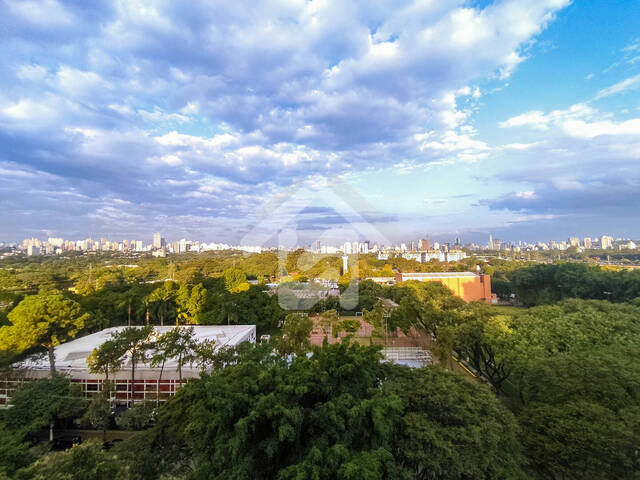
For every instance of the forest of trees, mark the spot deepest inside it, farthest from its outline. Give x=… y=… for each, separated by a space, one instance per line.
x=556 y=392
x=548 y=283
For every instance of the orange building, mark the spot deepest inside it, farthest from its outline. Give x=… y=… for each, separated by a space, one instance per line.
x=466 y=285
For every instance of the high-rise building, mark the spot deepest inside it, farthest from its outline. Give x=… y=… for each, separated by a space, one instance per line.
x=606 y=242
x=158 y=241
x=423 y=245
x=574 y=241
x=587 y=243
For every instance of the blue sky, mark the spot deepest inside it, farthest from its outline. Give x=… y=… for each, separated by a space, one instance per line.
x=230 y=121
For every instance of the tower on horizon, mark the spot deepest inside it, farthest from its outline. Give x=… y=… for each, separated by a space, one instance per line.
x=158 y=241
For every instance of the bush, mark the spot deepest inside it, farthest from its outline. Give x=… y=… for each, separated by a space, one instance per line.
x=137 y=417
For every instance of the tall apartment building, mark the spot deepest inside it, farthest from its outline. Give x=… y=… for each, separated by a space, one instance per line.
x=588 y=243
x=423 y=244
x=606 y=242
x=158 y=241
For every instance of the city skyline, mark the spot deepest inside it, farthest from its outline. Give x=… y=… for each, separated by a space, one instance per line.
x=461 y=118
x=158 y=243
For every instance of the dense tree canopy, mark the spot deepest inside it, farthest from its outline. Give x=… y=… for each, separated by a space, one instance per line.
x=549 y=283
x=43 y=320
x=43 y=402
x=84 y=462
x=569 y=372
x=452 y=428
x=562 y=399
x=325 y=416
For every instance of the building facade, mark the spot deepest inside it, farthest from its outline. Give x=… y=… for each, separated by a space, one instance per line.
x=466 y=285
x=71 y=360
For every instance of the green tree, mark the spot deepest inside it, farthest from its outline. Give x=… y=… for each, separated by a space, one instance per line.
x=42 y=402
x=296 y=331
x=234 y=280
x=328 y=319
x=84 y=462
x=183 y=347
x=377 y=318
x=452 y=428
x=14 y=451
x=137 y=417
x=190 y=301
x=161 y=302
x=265 y=417
x=162 y=351
x=107 y=358
x=98 y=413
x=349 y=325
x=44 y=320
x=134 y=341
x=573 y=382
x=581 y=439
x=484 y=341
x=206 y=354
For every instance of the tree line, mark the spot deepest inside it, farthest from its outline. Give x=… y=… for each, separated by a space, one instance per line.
x=549 y=283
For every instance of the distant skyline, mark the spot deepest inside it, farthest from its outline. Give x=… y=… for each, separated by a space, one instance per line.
x=228 y=121
x=150 y=240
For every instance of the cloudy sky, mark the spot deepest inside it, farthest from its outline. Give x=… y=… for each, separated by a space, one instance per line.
x=227 y=121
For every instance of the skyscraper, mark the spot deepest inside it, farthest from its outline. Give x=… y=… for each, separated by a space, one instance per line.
x=158 y=241
x=424 y=244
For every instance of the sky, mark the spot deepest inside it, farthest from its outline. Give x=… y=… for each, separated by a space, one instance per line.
x=260 y=122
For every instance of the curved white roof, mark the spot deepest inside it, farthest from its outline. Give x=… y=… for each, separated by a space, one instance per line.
x=72 y=356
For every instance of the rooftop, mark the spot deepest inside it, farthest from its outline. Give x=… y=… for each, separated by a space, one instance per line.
x=73 y=355
x=439 y=274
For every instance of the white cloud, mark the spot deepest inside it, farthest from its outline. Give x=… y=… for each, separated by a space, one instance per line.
x=27 y=109
x=620 y=87
x=534 y=118
x=31 y=72
x=147 y=102
x=582 y=129
x=45 y=13
x=77 y=82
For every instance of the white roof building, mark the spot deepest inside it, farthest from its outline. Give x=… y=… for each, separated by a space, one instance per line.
x=71 y=357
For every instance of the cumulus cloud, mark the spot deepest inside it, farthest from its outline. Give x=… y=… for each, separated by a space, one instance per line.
x=208 y=109
x=586 y=162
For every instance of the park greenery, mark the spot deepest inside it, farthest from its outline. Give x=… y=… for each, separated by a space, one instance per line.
x=554 y=390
